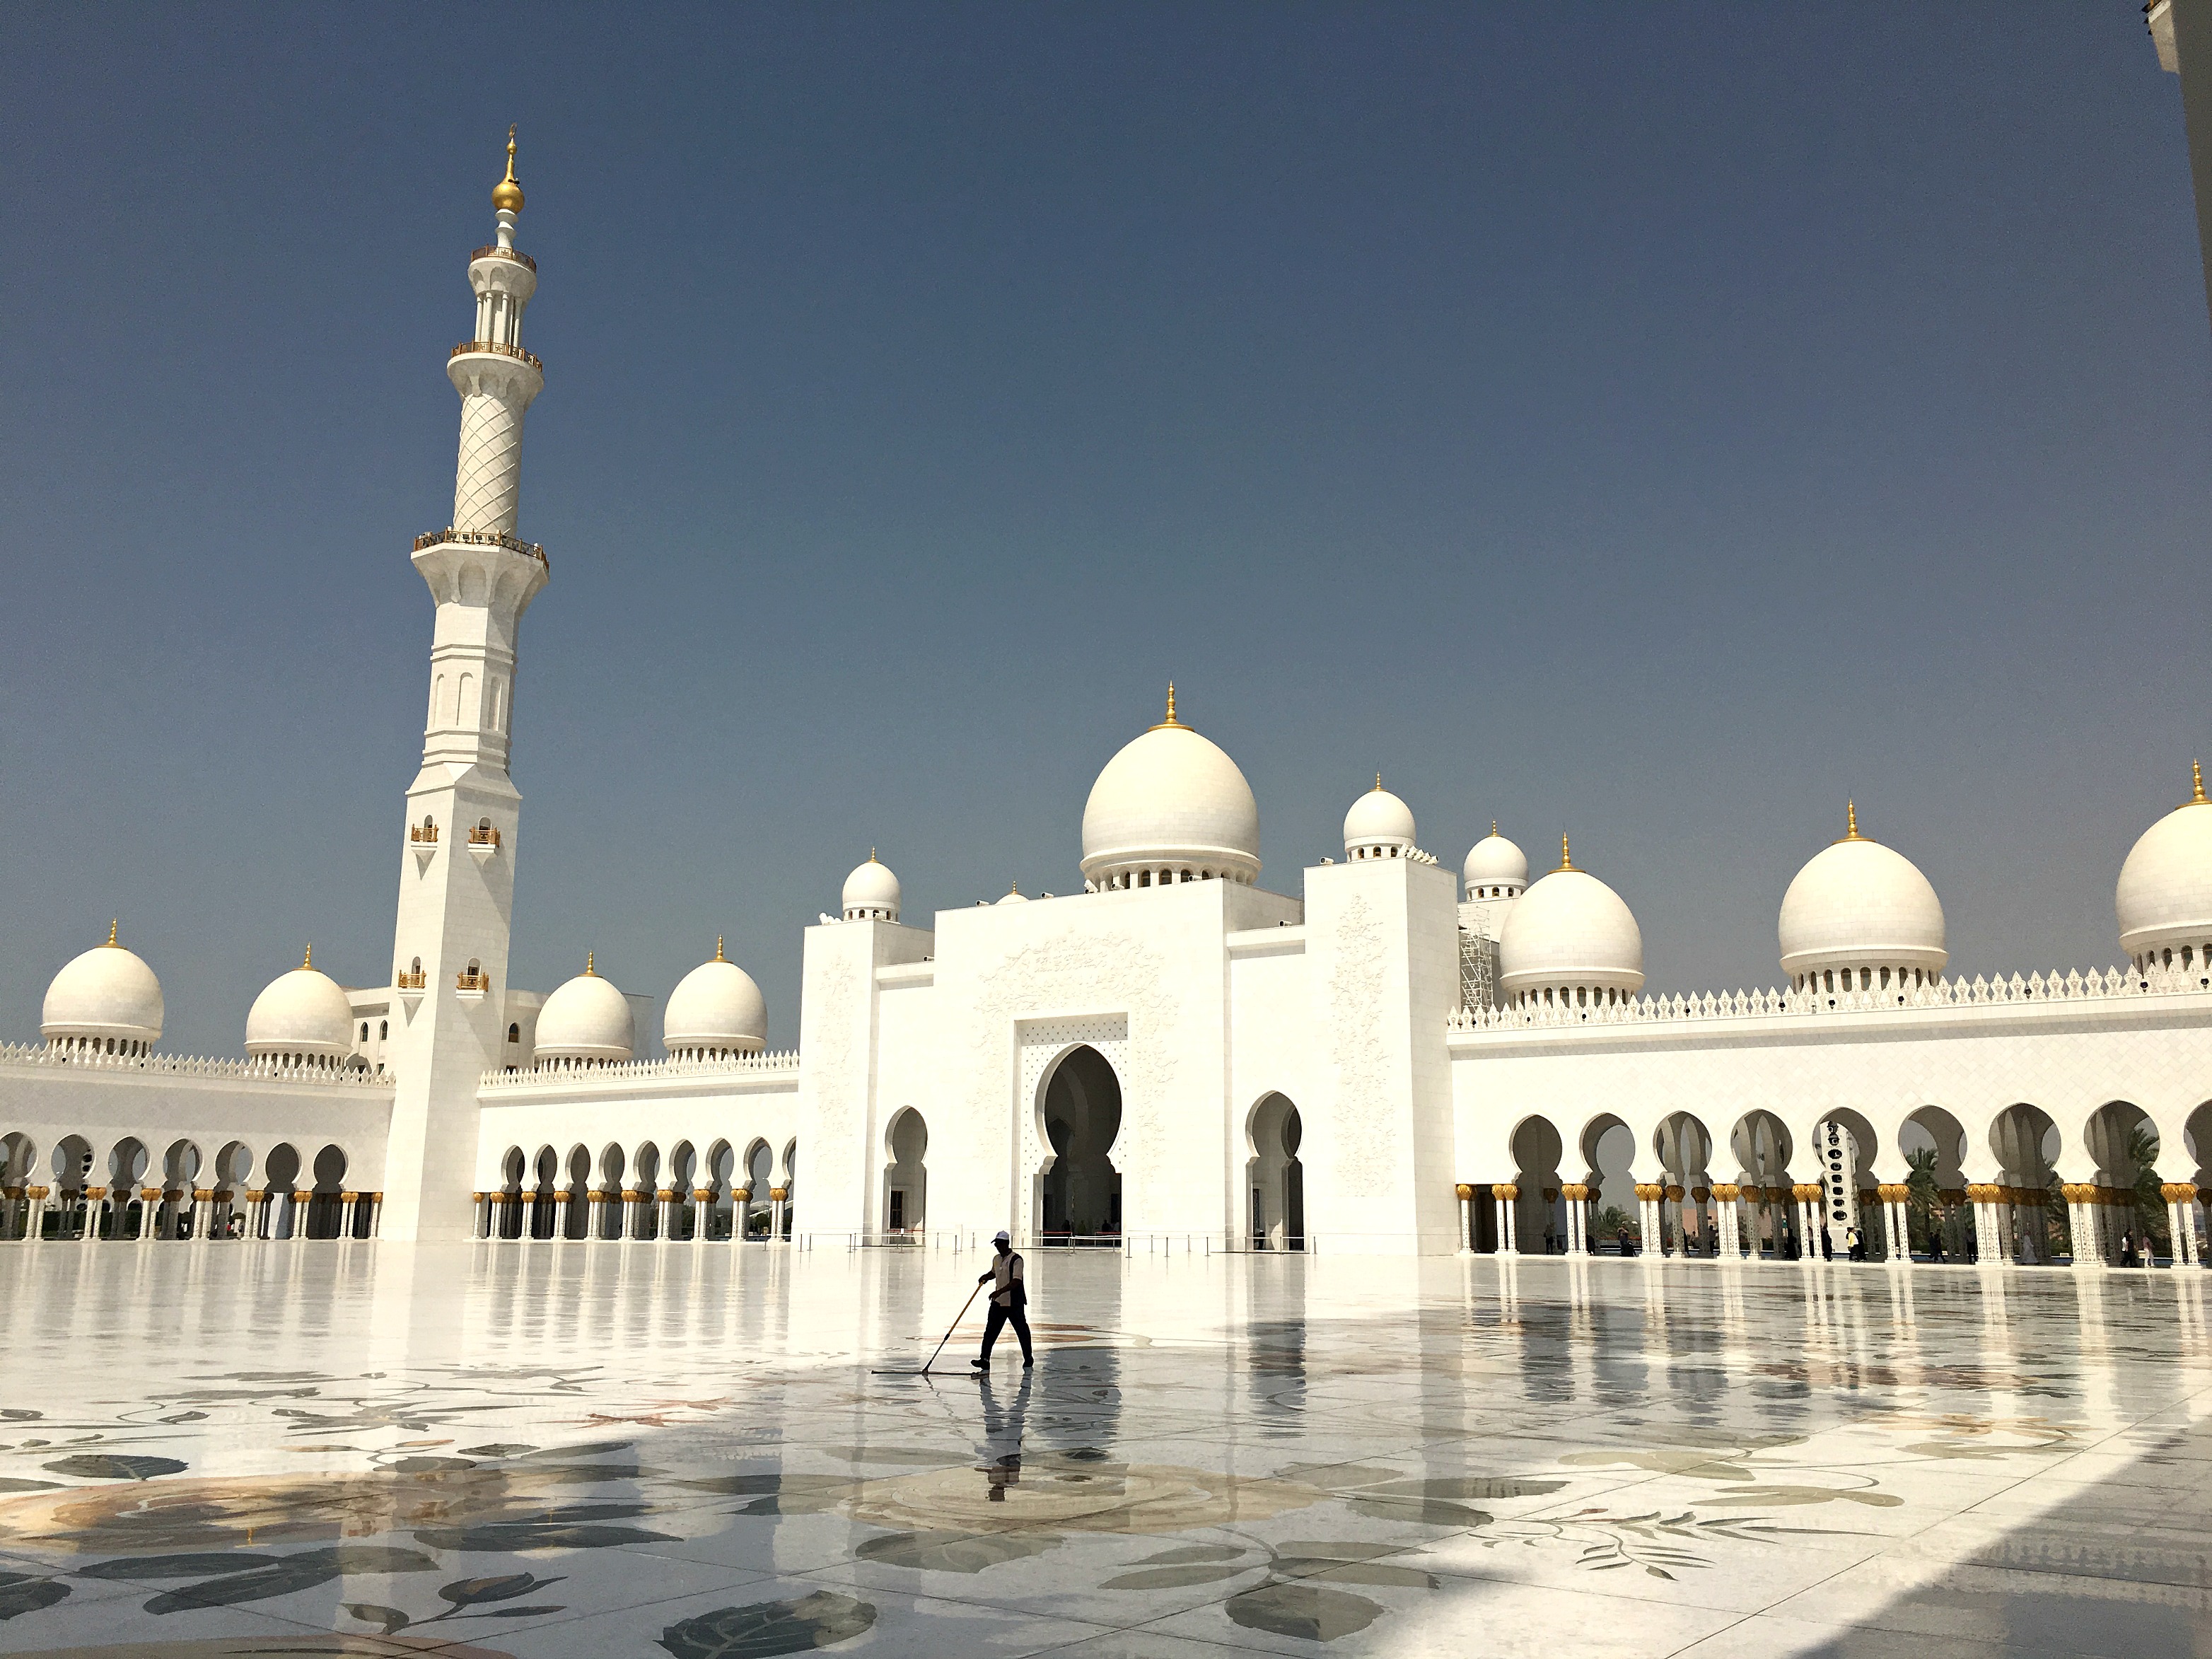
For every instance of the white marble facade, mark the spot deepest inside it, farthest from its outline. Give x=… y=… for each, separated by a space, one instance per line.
x=1393 y=1057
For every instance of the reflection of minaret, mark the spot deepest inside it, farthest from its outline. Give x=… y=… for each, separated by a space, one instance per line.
x=457 y=868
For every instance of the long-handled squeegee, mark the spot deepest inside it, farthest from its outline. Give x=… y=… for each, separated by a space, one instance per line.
x=902 y=1371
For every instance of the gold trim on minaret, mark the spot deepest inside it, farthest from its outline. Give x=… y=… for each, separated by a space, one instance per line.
x=307 y=962
x=1567 y=856
x=111 y=926
x=1170 y=719
x=1850 y=823
x=2196 y=778
x=719 y=956
x=590 y=972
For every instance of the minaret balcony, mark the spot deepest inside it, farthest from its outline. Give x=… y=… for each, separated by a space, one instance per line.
x=481 y=539
x=495 y=348
x=484 y=842
x=495 y=251
x=410 y=984
x=470 y=988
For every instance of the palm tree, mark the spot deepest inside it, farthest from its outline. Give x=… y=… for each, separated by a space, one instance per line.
x=2150 y=1202
x=1920 y=1193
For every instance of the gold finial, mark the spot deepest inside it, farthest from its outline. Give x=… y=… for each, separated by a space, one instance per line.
x=719 y=956
x=1851 y=823
x=1378 y=783
x=507 y=194
x=2197 y=777
x=1566 y=857
x=1493 y=826
x=1170 y=719
x=307 y=962
x=589 y=971
x=871 y=855
x=111 y=934
x=1016 y=888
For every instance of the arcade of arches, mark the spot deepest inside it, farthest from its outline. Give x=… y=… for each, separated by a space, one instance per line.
x=131 y=1191
x=1754 y=1191
x=733 y=1191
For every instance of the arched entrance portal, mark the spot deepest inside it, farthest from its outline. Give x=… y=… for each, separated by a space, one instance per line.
x=906 y=1181
x=1079 y=1190
x=1276 y=1178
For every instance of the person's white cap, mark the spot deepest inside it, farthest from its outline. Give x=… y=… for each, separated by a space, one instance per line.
x=1002 y=1236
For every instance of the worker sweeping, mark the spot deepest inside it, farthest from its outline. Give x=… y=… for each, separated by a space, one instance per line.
x=1009 y=1296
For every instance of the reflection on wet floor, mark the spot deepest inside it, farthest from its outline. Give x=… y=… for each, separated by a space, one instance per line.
x=527 y=1452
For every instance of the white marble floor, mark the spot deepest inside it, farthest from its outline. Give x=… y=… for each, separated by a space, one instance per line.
x=550 y=1452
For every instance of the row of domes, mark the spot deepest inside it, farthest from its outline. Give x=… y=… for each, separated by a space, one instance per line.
x=715 y=1010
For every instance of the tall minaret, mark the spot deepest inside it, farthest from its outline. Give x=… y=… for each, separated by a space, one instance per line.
x=456 y=864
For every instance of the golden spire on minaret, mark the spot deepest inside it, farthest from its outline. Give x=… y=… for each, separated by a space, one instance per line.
x=307 y=962
x=507 y=194
x=1566 y=857
x=590 y=972
x=2197 y=777
x=1851 y=823
x=111 y=926
x=719 y=956
x=1170 y=719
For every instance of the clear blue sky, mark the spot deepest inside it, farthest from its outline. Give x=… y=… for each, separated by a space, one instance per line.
x=1657 y=422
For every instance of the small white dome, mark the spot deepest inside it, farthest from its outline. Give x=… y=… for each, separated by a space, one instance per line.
x=1570 y=931
x=1859 y=904
x=1494 y=862
x=1379 y=825
x=1170 y=801
x=586 y=1018
x=714 y=1008
x=871 y=892
x=107 y=993
x=1015 y=895
x=301 y=1013
x=2165 y=896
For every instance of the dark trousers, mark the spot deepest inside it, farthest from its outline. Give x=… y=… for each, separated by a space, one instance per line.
x=997 y=1321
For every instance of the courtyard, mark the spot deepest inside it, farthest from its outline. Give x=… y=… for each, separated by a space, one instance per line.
x=545 y=1451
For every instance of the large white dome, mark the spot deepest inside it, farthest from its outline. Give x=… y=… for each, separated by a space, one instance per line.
x=871 y=893
x=1171 y=805
x=1570 y=934
x=1378 y=826
x=1495 y=867
x=714 y=1009
x=2165 y=896
x=106 y=998
x=586 y=1018
x=301 y=1013
x=1860 y=905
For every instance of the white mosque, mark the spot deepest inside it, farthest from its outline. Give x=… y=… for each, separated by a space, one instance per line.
x=1386 y=1058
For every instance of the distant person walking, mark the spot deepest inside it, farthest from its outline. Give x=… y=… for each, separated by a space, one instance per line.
x=1009 y=1296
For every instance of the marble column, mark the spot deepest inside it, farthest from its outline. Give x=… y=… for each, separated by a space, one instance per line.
x=352 y=1203
x=740 y=1202
x=149 y=1213
x=300 y=1203
x=1648 y=1195
x=561 y=1197
x=94 y=1202
x=631 y=1198
x=702 y=1209
x=1806 y=1194
x=776 y=1197
x=375 y=1214
x=1506 y=1195
x=2180 y=1198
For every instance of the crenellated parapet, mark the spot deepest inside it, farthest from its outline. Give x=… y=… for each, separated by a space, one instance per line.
x=2037 y=990
x=42 y=1057
x=645 y=1073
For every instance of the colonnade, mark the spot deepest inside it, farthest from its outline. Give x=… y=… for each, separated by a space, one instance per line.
x=646 y=1215
x=1706 y=1223
x=199 y=1215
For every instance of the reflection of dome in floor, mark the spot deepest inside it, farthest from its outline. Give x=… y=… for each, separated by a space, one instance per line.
x=1072 y=1495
